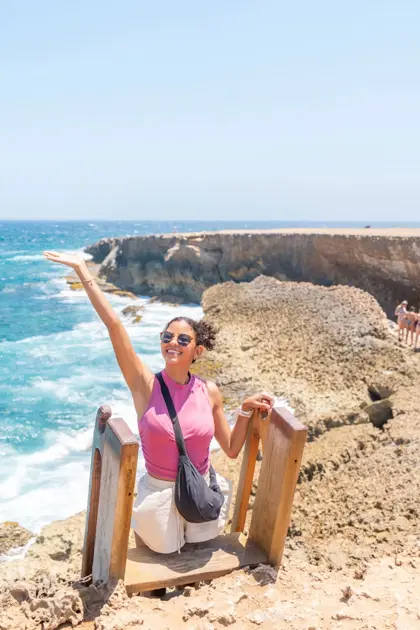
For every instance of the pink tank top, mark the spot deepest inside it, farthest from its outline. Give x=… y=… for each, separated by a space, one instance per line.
x=195 y=416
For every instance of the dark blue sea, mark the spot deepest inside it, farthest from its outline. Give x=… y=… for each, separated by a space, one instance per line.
x=57 y=365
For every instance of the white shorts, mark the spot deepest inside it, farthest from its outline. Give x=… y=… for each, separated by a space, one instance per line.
x=159 y=524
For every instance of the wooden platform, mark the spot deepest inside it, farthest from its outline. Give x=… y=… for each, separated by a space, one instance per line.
x=147 y=570
x=110 y=503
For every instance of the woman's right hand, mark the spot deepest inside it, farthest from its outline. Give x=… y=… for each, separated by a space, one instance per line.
x=71 y=260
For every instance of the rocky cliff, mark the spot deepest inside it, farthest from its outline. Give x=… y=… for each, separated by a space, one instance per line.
x=331 y=352
x=386 y=263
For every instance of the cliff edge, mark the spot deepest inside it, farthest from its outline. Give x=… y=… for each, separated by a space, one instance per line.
x=383 y=262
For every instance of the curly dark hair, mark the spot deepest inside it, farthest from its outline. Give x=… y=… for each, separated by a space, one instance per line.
x=205 y=333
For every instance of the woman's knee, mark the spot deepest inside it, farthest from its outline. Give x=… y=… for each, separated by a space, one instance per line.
x=161 y=536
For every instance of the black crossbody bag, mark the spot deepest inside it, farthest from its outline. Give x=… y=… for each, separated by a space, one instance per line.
x=196 y=501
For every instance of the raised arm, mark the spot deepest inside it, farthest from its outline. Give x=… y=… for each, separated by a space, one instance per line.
x=232 y=441
x=136 y=374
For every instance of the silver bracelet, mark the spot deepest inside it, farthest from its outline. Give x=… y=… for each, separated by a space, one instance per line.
x=242 y=412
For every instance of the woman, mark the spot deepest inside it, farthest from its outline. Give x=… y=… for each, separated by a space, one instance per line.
x=400 y=314
x=200 y=411
x=411 y=319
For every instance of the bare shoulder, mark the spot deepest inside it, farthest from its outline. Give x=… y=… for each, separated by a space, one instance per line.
x=214 y=392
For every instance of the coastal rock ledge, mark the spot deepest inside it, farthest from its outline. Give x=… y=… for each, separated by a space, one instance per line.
x=386 y=263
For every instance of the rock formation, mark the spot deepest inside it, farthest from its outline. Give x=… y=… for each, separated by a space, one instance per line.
x=331 y=353
x=328 y=350
x=12 y=535
x=384 y=263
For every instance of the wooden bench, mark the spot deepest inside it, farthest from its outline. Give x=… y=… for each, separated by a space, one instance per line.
x=113 y=470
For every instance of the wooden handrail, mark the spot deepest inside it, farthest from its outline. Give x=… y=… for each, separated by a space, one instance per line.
x=283 y=438
x=246 y=476
x=111 y=492
x=103 y=415
x=284 y=444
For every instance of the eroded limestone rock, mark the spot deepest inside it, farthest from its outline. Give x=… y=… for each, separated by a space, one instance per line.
x=186 y=264
x=13 y=535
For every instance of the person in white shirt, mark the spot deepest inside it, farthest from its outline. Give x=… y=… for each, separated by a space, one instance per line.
x=400 y=314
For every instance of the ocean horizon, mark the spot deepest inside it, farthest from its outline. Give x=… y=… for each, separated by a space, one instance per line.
x=156 y=226
x=56 y=361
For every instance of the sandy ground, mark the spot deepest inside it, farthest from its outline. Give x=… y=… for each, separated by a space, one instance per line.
x=296 y=599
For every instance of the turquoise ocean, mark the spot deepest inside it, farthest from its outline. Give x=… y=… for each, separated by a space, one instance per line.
x=57 y=364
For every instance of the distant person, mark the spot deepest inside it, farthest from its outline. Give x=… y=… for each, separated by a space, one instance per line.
x=199 y=405
x=417 y=331
x=411 y=320
x=400 y=314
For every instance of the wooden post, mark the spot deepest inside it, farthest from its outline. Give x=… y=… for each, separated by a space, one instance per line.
x=113 y=473
x=264 y=424
x=246 y=477
x=283 y=450
x=103 y=415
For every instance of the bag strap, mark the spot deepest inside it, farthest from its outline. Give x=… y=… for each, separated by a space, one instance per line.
x=172 y=414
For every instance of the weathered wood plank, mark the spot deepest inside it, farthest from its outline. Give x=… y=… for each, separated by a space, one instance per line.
x=284 y=445
x=119 y=462
x=263 y=429
x=147 y=570
x=246 y=476
x=123 y=509
x=102 y=417
x=92 y=514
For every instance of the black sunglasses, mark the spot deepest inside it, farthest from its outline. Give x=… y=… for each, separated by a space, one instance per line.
x=183 y=339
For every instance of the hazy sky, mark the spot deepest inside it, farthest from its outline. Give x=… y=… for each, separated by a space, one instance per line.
x=234 y=109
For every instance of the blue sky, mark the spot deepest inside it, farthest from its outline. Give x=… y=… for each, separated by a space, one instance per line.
x=234 y=109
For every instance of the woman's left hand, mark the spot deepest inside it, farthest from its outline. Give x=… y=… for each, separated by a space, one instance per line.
x=261 y=401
